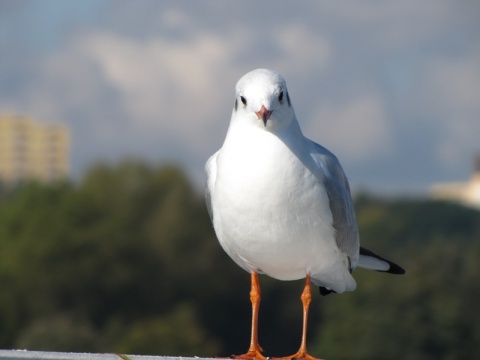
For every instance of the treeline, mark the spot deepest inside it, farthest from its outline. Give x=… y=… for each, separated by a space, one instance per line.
x=126 y=261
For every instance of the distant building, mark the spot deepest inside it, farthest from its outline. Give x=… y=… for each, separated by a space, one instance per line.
x=33 y=150
x=467 y=193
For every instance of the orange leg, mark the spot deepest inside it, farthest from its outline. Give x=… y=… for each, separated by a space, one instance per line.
x=255 y=350
x=306 y=298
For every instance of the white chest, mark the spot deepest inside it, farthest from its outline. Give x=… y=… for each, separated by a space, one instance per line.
x=270 y=212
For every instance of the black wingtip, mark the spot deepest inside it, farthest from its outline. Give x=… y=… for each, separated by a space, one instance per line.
x=393 y=269
x=325 y=291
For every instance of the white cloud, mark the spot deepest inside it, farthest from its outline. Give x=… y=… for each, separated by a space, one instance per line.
x=454 y=86
x=357 y=130
x=173 y=88
x=395 y=24
x=303 y=50
x=457 y=81
x=174 y=18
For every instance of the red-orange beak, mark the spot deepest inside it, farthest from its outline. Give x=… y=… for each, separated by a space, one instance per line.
x=264 y=114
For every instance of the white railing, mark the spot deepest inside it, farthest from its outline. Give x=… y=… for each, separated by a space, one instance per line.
x=46 y=355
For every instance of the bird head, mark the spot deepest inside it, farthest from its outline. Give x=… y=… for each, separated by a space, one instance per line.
x=262 y=99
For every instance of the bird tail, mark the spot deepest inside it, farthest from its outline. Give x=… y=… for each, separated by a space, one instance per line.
x=371 y=261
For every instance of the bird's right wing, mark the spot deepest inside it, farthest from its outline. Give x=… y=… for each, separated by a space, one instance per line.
x=343 y=213
x=340 y=201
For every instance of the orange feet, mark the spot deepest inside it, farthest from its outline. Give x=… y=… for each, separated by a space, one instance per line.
x=298 y=356
x=251 y=354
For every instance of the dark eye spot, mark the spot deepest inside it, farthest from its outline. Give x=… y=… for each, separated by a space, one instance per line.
x=280 y=97
x=244 y=101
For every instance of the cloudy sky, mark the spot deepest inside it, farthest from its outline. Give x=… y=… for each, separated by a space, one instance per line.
x=391 y=87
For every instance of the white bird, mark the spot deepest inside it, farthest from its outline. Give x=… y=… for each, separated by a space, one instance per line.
x=280 y=204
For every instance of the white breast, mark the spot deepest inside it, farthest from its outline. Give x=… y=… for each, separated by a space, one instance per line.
x=271 y=214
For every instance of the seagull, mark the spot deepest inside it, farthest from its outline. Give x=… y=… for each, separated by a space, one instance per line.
x=280 y=203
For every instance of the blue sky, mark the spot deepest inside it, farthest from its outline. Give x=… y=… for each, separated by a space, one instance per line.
x=391 y=87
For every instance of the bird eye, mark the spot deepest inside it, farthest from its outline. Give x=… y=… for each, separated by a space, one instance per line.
x=244 y=101
x=280 y=97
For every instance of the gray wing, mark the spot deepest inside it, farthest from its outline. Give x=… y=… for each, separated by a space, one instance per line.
x=211 y=170
x=340 y=200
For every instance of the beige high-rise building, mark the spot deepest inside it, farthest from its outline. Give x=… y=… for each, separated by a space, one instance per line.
x=33 y=150
x=467 y=193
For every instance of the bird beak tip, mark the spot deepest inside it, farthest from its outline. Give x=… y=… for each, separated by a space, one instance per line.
x=264 y=115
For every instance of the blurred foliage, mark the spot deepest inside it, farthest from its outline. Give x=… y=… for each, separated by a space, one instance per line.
x=127 y=261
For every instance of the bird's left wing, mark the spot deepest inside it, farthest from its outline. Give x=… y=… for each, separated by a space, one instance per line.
x=211 y=170
x=340 y=201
